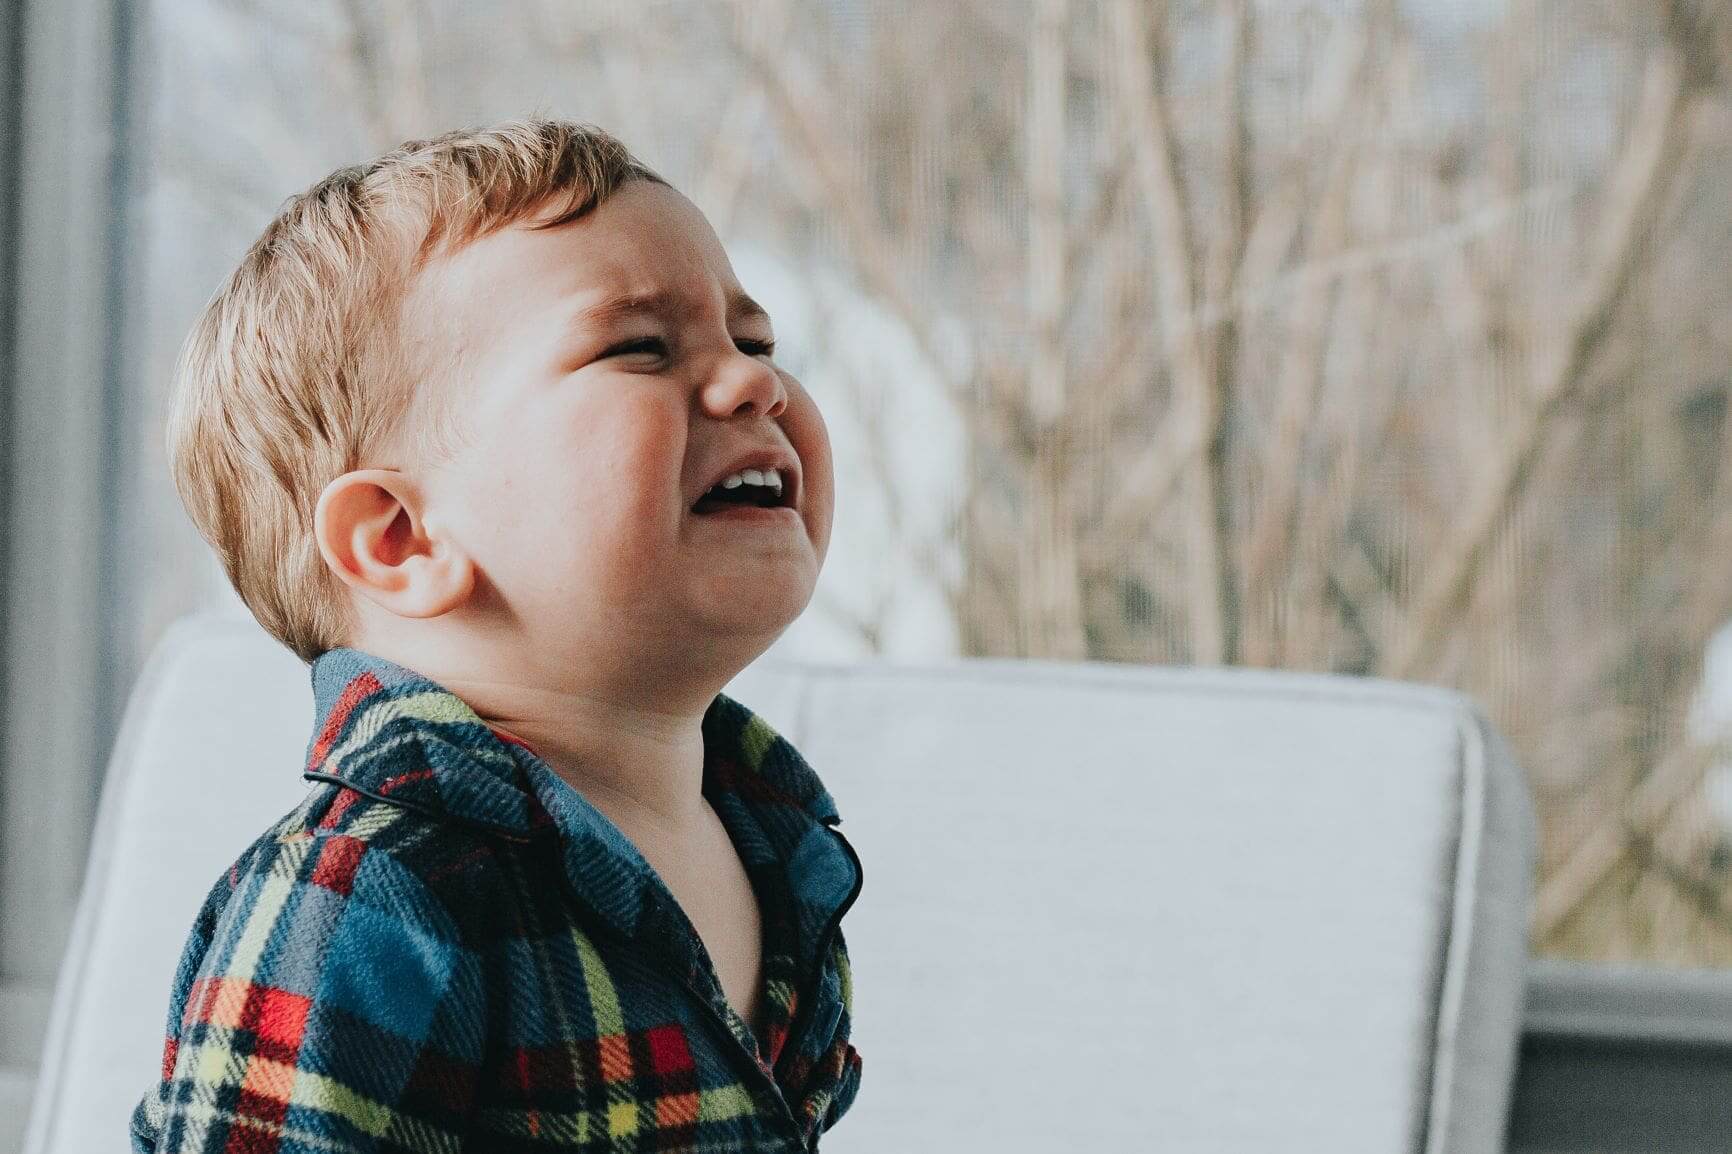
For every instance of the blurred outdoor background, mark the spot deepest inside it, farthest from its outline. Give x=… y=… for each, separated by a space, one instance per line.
x=1383 y=337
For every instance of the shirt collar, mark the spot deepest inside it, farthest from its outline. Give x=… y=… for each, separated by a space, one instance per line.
x=392 y=734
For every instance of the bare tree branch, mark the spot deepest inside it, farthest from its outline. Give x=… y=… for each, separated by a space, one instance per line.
x=1150 y=141
x=1269 y=549
x=1152 y=478
x=1680 y=772
x=1225 y=250
x=1051 y=599
x=1656 y=145
x=724 y=176
x=1675 y=778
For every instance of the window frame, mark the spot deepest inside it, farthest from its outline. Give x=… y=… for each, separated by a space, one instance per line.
x=64 y=418
x=1623 y=1057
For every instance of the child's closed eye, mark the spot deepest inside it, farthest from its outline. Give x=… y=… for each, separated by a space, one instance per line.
x=657 y=345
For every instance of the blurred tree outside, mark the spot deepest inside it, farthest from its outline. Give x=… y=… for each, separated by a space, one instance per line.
x=1380 y=337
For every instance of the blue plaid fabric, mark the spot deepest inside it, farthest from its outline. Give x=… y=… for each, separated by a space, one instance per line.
x=446 y=947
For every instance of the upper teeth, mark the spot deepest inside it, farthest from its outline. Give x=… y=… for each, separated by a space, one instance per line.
x=768 y=477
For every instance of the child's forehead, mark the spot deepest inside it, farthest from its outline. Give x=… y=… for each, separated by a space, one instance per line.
x=640 y=253
x=644 y=242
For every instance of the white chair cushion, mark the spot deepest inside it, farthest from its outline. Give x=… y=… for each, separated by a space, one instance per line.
x=1105 y=907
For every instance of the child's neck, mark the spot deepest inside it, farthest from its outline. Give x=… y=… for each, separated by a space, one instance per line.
x=641 y=768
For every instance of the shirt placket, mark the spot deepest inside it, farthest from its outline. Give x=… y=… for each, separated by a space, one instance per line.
x=669 y=940
x=660 y=932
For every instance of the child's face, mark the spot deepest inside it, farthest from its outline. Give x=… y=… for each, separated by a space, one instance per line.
x=590 y=439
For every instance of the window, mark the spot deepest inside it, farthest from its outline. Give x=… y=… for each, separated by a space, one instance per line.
x=1384 y=338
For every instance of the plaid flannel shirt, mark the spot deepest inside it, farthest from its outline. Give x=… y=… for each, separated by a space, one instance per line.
x=446 y=947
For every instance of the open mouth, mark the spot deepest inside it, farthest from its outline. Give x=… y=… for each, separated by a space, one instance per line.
x=746 y=493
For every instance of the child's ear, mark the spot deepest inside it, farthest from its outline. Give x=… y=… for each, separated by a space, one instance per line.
x=370 y=530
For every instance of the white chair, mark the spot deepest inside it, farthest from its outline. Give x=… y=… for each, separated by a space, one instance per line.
x=1106 y=908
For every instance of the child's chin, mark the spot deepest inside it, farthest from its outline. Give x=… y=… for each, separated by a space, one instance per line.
x=768 y=608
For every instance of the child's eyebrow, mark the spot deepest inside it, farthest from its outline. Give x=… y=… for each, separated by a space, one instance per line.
x=656 y=302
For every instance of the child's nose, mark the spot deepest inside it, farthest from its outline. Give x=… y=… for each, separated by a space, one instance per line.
x=745 y=384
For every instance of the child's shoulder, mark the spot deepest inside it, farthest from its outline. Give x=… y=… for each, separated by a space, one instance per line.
x=353 y=933
x=341 y=854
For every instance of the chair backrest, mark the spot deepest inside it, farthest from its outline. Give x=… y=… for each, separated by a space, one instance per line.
x=1105 y=907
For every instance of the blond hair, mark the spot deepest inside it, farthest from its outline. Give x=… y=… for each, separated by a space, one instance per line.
x=298 y=366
